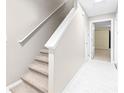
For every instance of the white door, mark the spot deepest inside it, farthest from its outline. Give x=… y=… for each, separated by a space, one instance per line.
x=92 y=41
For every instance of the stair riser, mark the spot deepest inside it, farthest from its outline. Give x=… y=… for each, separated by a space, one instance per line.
x=44 y=54
x=44 y=51
x=44 y=61
x=43 y=73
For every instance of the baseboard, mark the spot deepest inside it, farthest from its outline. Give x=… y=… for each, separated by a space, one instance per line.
x=12 y=85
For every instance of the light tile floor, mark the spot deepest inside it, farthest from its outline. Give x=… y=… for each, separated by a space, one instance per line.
x=96 y=76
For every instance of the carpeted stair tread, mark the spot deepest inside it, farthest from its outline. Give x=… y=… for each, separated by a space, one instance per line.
x=42 y=58
x=36 y=80
x=24 y=88
x=44 y=50
x=39 y=67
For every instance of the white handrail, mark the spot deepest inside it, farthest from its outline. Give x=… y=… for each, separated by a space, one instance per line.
x=29 y=35
x=54 y=39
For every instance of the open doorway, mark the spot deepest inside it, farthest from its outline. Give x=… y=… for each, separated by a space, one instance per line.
x=101 y=40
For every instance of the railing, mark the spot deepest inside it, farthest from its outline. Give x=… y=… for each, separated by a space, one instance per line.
x=29 y=35
x=54 y=39
x=66 y=50
x=52 y=44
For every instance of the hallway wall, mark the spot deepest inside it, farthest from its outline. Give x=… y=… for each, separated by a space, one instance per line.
x=22 y=17
x=100 y=17
x=102 y=38
x=70 y=53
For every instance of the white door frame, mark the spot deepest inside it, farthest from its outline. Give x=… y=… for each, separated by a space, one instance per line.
x=92 y=40
x=112 y=35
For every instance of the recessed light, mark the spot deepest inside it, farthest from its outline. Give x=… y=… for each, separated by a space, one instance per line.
x=98 y=1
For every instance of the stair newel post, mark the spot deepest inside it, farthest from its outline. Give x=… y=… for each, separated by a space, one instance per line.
x=51 y=71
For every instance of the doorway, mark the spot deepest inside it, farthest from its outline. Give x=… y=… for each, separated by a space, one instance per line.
x=102 y=40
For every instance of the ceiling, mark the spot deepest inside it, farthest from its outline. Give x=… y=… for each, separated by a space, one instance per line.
x=99 y=8
x=103 y=24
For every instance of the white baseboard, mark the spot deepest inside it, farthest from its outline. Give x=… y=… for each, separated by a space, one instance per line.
x=12 y=85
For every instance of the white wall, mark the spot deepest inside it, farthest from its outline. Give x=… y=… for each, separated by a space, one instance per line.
x=87 y=31
x=100 y=17
x=22 y=17
x=69 y=54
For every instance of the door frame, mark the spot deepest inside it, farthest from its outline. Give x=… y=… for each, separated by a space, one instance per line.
x=92 y=40
x=112 y=36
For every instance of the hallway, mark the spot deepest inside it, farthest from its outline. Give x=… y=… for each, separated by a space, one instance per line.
x=95 y=77
x=102 y=55
x=56 y=39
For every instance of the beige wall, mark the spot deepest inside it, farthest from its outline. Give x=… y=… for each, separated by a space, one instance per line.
x=22 y=17
x=102 y=28
x=102 y=38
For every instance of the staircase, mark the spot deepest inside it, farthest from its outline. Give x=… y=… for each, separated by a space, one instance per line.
x=65 y=58
x=36 y=79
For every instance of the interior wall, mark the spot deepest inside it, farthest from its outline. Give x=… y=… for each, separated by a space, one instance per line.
x=70 y=52
x=100 y=17
x=102 y=38
x=22 y=17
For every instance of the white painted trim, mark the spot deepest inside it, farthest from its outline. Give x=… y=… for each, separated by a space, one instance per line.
x=112 y=35
x=57 y=35
x=13 y=85
x=51 y=72
x=80 y=6
x=83 y=10
x=30 y=34
x=116 y=40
